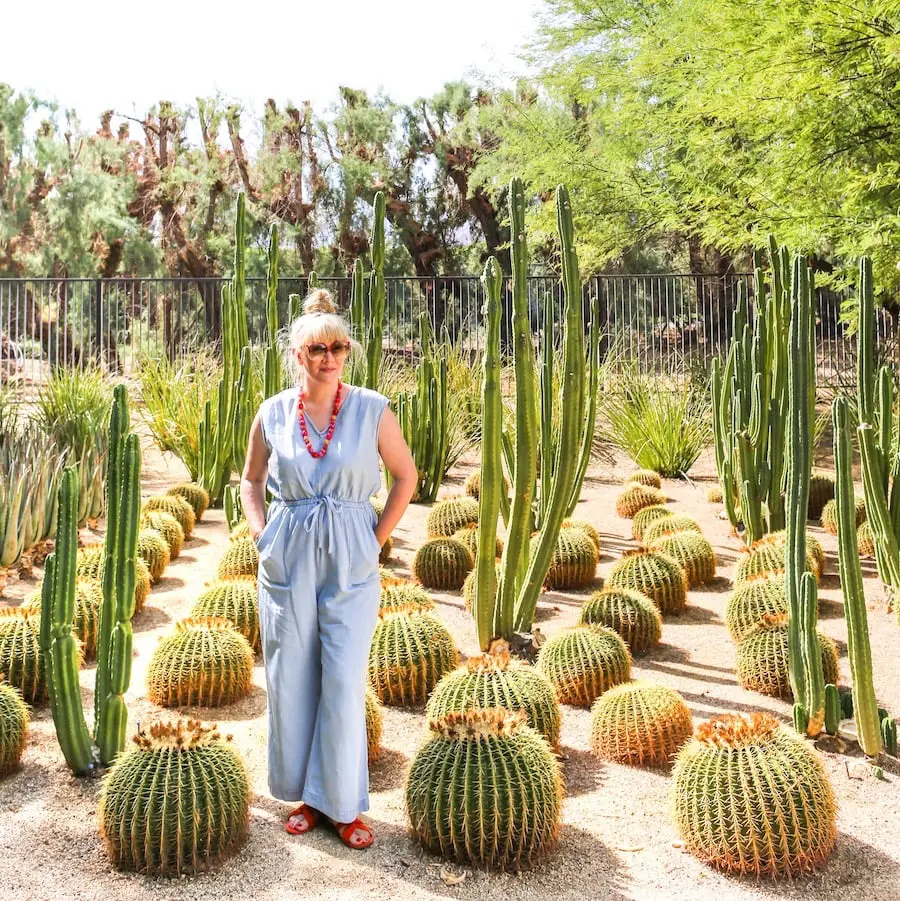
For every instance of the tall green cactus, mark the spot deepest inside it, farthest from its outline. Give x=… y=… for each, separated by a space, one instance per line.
x=273 y=376
x=358 y=289
x=865 y=705
x=114 y=646
x=376 y=296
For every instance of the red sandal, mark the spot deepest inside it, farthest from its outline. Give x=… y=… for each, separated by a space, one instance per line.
x=312 y=819
x=346 y=831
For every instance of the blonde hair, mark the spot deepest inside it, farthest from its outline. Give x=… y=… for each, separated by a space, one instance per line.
x=319 y=321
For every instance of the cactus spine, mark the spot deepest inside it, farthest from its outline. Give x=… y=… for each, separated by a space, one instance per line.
x=865 y=705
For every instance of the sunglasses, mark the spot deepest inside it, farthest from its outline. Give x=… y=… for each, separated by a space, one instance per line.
x=339 y=350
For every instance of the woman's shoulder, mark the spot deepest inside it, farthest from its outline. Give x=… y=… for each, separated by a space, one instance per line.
x=283 y=400
x=369 y=398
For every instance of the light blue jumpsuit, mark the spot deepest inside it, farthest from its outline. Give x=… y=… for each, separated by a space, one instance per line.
x=318 y=601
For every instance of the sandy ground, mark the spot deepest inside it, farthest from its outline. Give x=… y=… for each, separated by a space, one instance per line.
x=617 y=841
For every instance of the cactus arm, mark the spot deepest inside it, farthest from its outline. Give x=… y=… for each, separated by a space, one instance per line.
x=865 y=381
x=506 y=447
x=485 y=608
x=590 y=418
x=865 y=706
x=547 y=398
x=885 y=423
x=273 y=379
x=751 y=507
x=832 y=709
x=888 y=556
x=571 y=419
x=376 y=295
x=812 y=655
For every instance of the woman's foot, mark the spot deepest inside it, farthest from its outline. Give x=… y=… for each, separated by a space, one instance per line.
x=302 y=820
x=356 y=835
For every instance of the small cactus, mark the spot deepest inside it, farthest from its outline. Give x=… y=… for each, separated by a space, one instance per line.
x=584 y=662
x=693 y=552
x=766 y=557
x=240 y=560
x=411 y=650
x=643 y=518
x=762 y=659
x=639 y=724
x=773 y=812
x=585 y=526
x=174 y=506
x=404 y=593
x=821 y=491
x=635 y=497
x=234 y=600
x=86 y=624
x=574 y=560
x=449 y=516
x=496 y=680
x=374 y=725
x=460 y=805
x=168 y=527
x=865 y=540
x=751 y=602
x=21 y=661
x=468 y=535
x=193 y=811
x=205 y=663
x=647 y=477
x=13 y=727
x=241 y=530
x=196 y=496
x=442 y=563
x=632 y=614
x=714 y=494
x=90 y=564
x=829 y=515
x=154 y=551
x=669 y=525
x=656 y=575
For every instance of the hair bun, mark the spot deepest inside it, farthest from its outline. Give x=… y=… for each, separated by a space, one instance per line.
x=319 y=301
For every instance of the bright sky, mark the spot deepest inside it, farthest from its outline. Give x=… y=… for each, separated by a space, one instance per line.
x=96 y=54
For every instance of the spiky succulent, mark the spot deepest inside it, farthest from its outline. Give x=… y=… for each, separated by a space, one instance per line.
x=374 y=725
x=865 y=540
x=21 y=661
x=655 y=575
x=496 y=680
x=648 y=477
x=751 y=798
x=629 y=613
x=669 y=525
x=234 y=600
x=240 y=560
x=762 y=659
x=574 y=560
x=586 y=527
x=386 y=549
x=196 y=496
x=442 y=563
x=814 y=549
x=695 y=554
x=468 y=535
x=154 y=551
x=449 y=516
x=168 y=527
x=486 y=789
x=640 y=724
x=584 y=662
x=472 y=484
x=714 y=494
x=402 y=594
x=830 y=519
x=241 y=530
x=175 y=803
x=377 y=505
x=205 y=663
x=174 y=506
x=468 y=588
x=13 y=727
x=766 y=557
x=411 y=650
x=821 y=491
x=643 y=519
x=635 y=497
x=752 y=602
x=91 y=562
x=86 y=622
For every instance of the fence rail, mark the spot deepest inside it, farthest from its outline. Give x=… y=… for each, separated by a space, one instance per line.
x=668 y=324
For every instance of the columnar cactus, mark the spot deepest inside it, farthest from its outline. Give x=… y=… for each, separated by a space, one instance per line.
x=496 y=680
x=457 y=809
x=669 y=525
x=168 y=527
x=411 y=650
x=154 y=551
x=442 y=563
x=635 y=497
x=234 y=600
x=13 y=727
x=774 y=812
x=404 y=593
x=374 y=725
x=196 y=496
x=752 y=602
x=584 y=662
x=639 y=724
x=829 y=516
x=645 y=517
x=574 y=561
x=240 y=560
x=654 y=574
x=647 y=477
x=205 y=663
x=86 y=623
x=449 y=516
x=193 y=812
x=693 y=552
x=632 y=614
x=174 y=506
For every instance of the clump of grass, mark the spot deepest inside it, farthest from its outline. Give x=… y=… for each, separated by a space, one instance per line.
x=73 y=408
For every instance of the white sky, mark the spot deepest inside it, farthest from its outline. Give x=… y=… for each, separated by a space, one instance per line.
x=91 y=55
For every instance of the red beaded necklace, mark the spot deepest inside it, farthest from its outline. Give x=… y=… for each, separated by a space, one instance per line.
x=317 y=454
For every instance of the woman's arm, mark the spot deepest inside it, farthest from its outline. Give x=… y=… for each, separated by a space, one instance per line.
x=253 y=480
x=399 y=463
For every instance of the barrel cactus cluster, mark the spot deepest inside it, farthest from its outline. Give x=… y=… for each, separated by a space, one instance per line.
x=175 y=506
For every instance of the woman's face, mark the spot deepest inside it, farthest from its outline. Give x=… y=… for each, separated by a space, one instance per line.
x=323 y=361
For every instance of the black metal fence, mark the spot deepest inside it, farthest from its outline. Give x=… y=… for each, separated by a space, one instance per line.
x=667 y=324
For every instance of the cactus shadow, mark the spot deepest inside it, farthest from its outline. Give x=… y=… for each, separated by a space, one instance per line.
x=829 y=609
x=388 y=771
x=169 y=583
x=150 y=618
x=694 y=614
x=195 y=541
x=251 y=706
x=583 y=772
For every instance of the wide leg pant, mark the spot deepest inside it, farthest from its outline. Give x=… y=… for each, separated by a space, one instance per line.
x=318 y=596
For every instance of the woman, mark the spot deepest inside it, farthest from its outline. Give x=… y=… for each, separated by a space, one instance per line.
x=317 y=445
